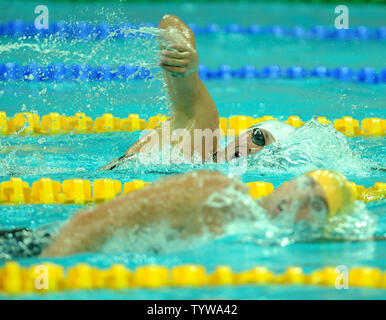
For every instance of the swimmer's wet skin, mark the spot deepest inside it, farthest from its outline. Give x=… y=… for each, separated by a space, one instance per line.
x=192 y=106
x=180 y=200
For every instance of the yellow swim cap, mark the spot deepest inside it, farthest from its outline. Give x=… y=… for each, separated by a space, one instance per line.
x=339 y=194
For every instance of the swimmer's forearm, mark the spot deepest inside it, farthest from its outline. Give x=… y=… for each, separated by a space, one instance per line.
x=183 y=89
x=140 y=146
x=184 y=92
x=190 y=98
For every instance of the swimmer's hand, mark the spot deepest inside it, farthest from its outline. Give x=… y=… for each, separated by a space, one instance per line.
x=179 y=59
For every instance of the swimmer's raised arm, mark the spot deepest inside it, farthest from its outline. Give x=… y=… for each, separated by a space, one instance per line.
x=179 y=200
x=192 y=104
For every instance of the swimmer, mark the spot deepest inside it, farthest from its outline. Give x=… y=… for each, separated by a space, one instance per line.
x=192 y=106
x=182 y=201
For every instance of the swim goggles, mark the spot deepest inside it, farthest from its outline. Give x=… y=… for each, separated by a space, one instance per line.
x=258 y=137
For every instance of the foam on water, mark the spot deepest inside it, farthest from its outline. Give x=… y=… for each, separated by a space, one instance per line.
x=311 y=146
x=314 y=145
x=141 y=50
x=28 y=160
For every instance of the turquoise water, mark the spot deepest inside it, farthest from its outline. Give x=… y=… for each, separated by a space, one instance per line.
x=70 y=156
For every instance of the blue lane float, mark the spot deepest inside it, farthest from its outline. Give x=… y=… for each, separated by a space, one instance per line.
x=80 y=30
x=60 y=72
x=224 y=72
x=84 y=72
x=85 y=31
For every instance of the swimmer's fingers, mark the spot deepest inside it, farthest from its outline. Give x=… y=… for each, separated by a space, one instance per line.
x=180 y=47
x=180 y=59
x=176 y=54
x=174 y=62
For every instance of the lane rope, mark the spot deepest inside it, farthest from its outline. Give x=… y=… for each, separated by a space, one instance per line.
x=82 y=30
x=54 y=123
x=83 y=192
x=48 y=277
x=83 y=72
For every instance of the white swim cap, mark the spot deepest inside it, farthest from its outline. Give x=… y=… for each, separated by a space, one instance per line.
x=279 y=130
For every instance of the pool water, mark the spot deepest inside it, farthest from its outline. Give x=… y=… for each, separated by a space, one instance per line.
x=64 y=157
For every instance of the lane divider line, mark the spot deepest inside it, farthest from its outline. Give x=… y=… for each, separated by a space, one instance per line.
x=48 y=277
x=83 y=192
x=55 y=123
x=82 y=30
x=83 y=72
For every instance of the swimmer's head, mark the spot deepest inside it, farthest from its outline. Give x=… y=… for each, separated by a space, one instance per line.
x=254 y=139
x=338 y=193
x=317 y=195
